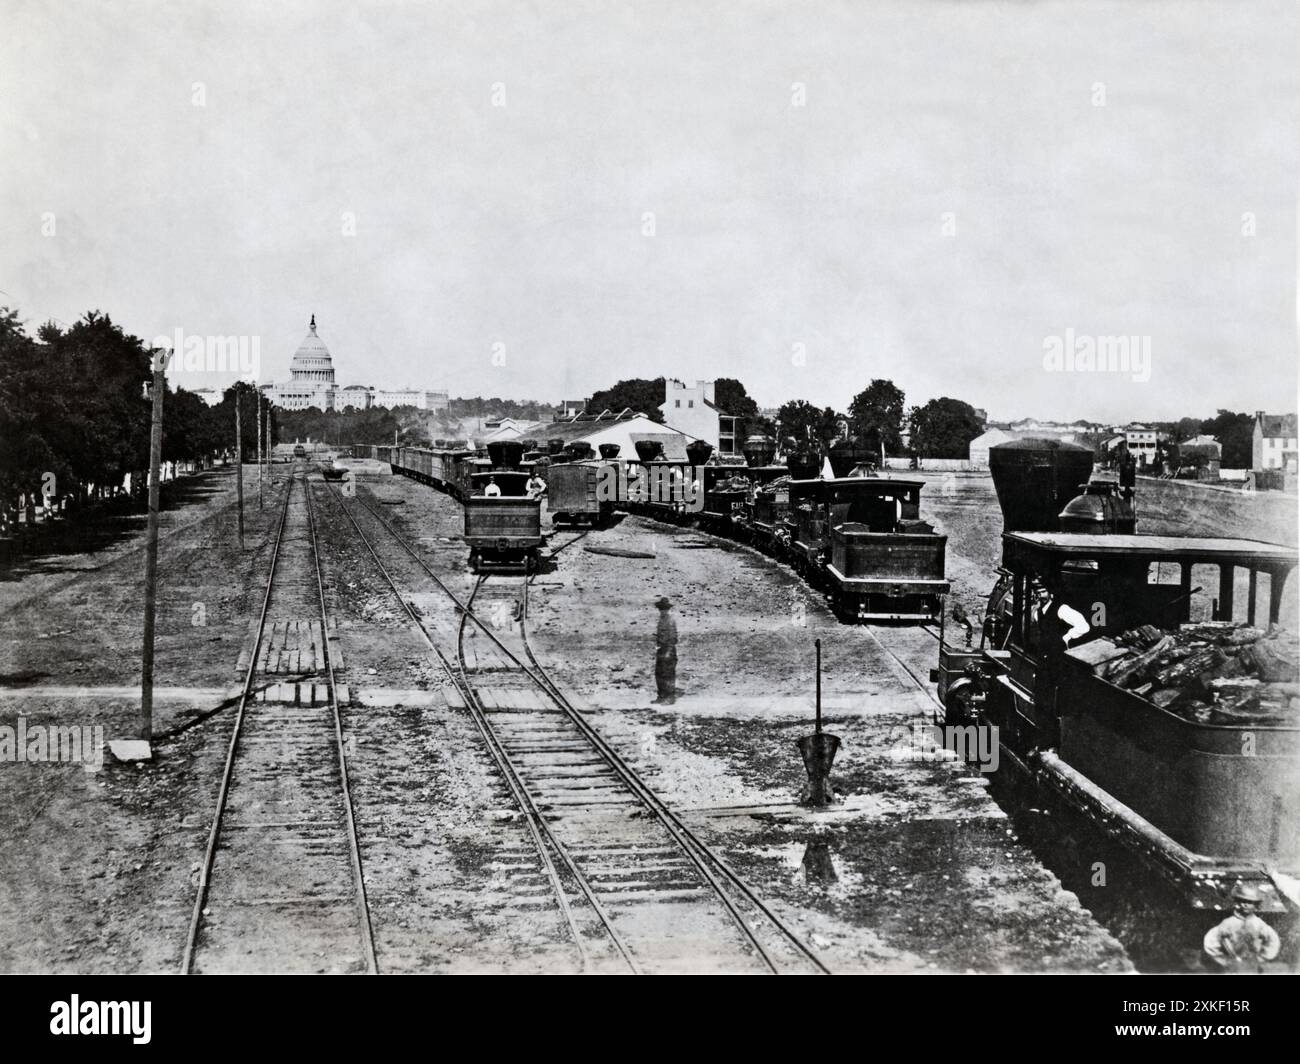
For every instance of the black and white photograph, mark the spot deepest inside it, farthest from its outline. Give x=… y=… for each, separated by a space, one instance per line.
x=693 y=487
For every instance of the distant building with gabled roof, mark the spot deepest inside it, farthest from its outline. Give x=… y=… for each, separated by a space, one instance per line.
x=1274 y=443
x=693 y=410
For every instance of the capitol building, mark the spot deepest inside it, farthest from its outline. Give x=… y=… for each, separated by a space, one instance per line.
x=311 y=384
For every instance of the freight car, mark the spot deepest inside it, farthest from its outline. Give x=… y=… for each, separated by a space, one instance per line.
x=449 y=469
x=1179 y=740
x=575 y=486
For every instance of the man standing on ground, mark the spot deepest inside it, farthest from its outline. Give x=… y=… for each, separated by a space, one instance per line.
x=666 y=654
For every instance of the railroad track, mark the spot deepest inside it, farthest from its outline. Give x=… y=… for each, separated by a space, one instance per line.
x=280 y=887
x=553 y=551
x=639 y=890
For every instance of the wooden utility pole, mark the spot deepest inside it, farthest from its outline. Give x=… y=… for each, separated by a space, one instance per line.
x=151 y=548
x=259 y=450
x=267 y=415
x=239 y=468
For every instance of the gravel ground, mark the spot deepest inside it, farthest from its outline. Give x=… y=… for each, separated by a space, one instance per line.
x=723 y=752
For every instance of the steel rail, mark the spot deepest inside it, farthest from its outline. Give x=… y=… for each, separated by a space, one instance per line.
x=354 y=843
x=480 y=712
x=209 y=854
x=698 y=851
x=537 y=826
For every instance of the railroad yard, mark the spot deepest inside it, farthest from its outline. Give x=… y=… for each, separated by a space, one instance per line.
x=437 y=772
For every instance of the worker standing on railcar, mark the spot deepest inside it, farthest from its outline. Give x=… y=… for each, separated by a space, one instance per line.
x=1060 y=624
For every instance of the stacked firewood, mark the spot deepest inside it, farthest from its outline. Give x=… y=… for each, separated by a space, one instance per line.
x=1212 y=672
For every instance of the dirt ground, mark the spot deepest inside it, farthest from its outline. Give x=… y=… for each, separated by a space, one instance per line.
x=914 y=869
x=96 y=861
x=908 y=840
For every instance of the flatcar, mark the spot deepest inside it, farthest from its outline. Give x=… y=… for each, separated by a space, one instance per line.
x=1129 y=724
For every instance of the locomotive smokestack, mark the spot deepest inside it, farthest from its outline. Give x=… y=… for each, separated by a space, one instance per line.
x=759 y=449
x=1034 y=480
x=803 y=465
x=648 y=450
x=846 y=455
x=505 y=454
x=697 y=452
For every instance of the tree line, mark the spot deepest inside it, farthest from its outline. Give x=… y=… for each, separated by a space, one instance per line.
x=878 y=416
x=75 y=413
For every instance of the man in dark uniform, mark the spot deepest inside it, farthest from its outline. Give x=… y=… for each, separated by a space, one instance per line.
x=666 y=654
x=1127 y=474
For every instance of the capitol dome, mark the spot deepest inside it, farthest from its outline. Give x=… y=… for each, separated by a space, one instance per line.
x=312 y=362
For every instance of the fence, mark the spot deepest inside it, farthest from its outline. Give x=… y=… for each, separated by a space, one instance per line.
x=938 y=465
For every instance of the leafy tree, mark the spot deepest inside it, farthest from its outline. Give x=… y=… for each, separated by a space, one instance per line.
x=25 y=403
x=637 y=393
x=185 y=427
x=807 y=425
x=86 y=392
x=731 y=397
x=477 y=406
x=876 y=415
x=943 y=428
x=344 y=428
x=1236 y=436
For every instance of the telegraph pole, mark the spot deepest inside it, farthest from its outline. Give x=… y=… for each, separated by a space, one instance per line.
x=239 y=468
x=151 y=547
x=259 y=450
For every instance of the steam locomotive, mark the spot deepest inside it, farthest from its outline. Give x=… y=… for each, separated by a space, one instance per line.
x=857 y=535
x=1178 y=738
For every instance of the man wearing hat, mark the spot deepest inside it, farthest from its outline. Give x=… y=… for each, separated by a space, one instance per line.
x=1242 y=942
x=666 y=654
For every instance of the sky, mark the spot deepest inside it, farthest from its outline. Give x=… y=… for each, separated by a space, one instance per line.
x=534 y=201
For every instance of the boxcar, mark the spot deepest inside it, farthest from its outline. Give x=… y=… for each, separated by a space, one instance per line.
x=572 y=496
